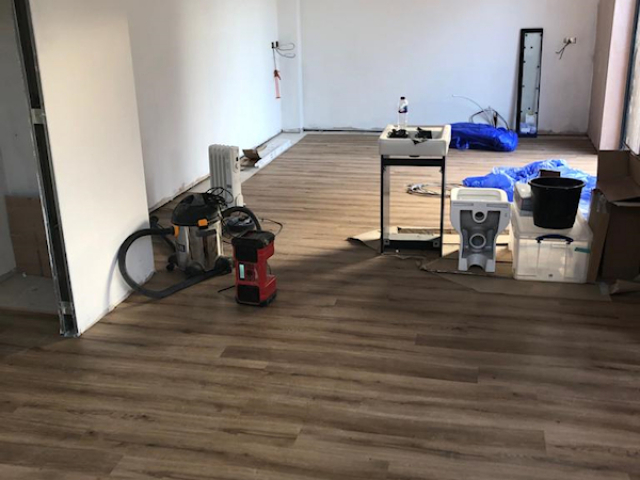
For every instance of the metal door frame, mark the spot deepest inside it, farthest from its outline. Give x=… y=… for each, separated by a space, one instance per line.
x=46 y=175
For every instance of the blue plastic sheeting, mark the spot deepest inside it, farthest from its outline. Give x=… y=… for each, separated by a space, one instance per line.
x=465 y=136
x=505 y=178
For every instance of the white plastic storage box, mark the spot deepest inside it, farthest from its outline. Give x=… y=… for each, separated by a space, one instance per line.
x=543 y=255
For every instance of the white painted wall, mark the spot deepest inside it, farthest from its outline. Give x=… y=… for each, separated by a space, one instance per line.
x=204 y=75
x=90 y=101
x=360 y=56
x=616 y=21
x=290 y=31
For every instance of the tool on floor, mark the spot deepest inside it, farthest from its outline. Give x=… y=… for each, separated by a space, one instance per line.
x=255 y=285
x=200 y=222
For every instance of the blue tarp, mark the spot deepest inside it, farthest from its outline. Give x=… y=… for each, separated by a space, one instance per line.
x=505 y=178
x=465 y=136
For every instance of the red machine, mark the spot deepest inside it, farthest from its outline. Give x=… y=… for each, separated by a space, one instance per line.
x=254 y=283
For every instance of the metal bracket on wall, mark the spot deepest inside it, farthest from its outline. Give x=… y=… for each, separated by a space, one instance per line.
x=38 y=116
x=66 y=308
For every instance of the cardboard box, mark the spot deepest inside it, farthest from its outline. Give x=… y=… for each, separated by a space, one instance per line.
x=615 y=218
x=255 y=154
x=28 y=236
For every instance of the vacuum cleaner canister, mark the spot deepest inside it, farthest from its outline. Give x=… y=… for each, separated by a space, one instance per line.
x=196 y=241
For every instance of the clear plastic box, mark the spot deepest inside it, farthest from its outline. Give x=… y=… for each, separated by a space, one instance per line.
x=543 y=255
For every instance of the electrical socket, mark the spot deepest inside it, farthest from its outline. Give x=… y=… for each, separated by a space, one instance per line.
x=571 y=40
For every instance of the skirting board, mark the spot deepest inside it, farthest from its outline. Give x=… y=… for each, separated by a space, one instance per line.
x=170 y=199
x=273 y=151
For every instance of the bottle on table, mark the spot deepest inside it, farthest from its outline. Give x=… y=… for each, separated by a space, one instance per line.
x=403 y=114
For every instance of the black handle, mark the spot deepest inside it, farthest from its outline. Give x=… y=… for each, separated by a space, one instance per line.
x=554 y=236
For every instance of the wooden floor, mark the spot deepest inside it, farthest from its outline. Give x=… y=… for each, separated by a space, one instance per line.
x=364 y=368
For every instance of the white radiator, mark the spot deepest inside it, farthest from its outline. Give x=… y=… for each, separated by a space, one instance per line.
x=224 y=164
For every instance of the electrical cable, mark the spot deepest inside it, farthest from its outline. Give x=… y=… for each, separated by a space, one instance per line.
x=562 y=50
x=252 y=224
x=285 y=50
x=219 y=192
x=226 y=289
x=490 y=115
x=281 y=225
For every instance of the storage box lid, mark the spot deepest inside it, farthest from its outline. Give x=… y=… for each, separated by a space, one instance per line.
x=525 y=229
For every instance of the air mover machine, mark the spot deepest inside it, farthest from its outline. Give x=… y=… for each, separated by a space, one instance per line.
x=254 y=283
x=200 y=222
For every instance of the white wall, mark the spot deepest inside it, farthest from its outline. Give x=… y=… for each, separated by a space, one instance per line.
x=90 y=102
x=204 y=75
x=612 y=56
x=290 y=31
x=360 y=56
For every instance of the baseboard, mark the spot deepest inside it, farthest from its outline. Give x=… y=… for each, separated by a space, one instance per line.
x=183 y=190
x=343 y=130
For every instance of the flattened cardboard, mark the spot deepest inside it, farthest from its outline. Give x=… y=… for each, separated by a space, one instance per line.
x=599 y=223
x=622 y=287
x=619 y=176
x=28 y=235
x=254 y=154
x=505 y=286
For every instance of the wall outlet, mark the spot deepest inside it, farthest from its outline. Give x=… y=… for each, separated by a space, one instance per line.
x=571 y=40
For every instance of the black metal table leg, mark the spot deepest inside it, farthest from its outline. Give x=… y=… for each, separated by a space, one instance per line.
x=443 y=196
x=386 y=242
x=385 y=205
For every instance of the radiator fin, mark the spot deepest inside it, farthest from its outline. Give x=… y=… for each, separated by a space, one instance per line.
x=224 y=163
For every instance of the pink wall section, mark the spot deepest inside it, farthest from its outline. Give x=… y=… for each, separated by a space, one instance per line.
x=611 y=67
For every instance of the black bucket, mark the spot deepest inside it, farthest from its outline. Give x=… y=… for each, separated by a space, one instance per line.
x=555 y=201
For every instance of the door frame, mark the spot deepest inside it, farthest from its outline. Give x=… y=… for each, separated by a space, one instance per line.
x=630 y=77
x=46 y=175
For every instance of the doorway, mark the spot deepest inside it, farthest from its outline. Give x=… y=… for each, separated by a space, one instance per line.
x=33 y=269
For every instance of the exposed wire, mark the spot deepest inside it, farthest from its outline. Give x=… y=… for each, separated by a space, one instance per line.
x=220 y=192
x=287 y=50
x=490 y=115
x=564 y=47
x=427 y=189
x=281 y=225
x=227 y=289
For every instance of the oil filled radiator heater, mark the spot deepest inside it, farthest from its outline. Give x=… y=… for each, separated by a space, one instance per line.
x=224 y=164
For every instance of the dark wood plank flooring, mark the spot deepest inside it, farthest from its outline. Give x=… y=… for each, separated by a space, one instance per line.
x=365 y=367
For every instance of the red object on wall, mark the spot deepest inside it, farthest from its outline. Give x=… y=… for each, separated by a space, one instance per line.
x=255 y=285
x=278 y=77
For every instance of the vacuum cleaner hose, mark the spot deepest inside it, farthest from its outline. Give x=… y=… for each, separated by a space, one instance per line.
x=223 y=267
x=230 y=211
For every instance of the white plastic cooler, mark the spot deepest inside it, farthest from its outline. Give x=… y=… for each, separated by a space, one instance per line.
x=543 y=255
